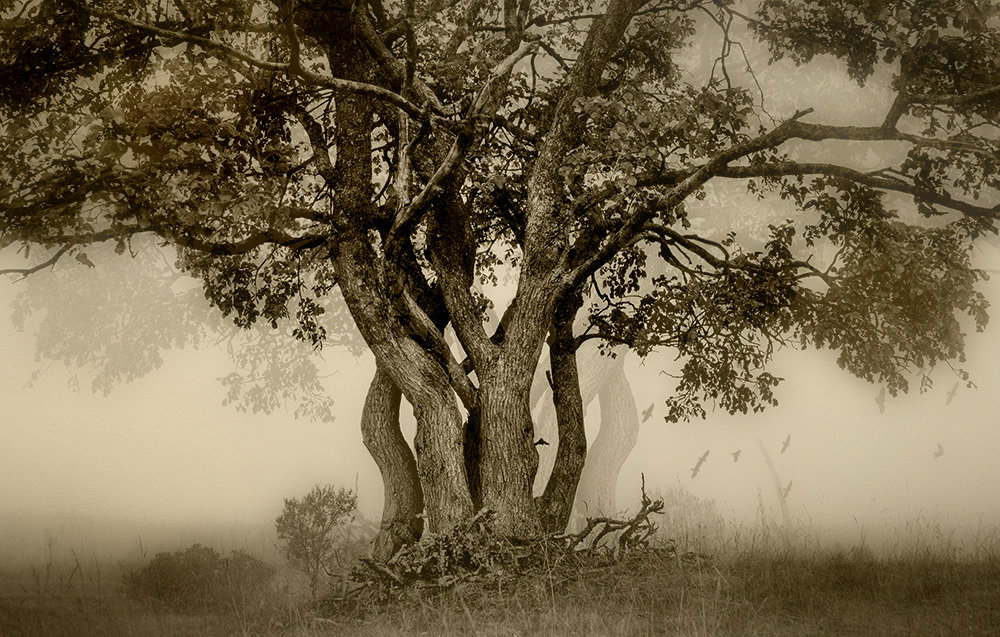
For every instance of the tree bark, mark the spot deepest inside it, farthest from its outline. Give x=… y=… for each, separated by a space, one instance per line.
x=403 y=496
x=507 y=457
x=556 y=502
x=593 y=370
x=600 y=378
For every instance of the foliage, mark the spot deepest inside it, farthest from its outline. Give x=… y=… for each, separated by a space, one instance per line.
x=218 y=152
x=156 y=308
x=307 y=530
x=198 y=579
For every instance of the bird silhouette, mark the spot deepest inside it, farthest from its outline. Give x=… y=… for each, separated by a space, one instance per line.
x=701 y=461
x=736 y=455
x=647 y=412
x=880 y=401
x=541 y=441
x=939 y=451
x=784 y=445
x=951 y=393
x=84 y=259
x=784 y=493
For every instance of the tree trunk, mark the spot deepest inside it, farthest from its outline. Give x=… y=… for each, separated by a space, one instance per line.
x=508 y=460
x=614 y=442
x=473 y=457
x=440 y=447
x=593 y=370
x=404 y=499
x=556 y=502
x=419 y=375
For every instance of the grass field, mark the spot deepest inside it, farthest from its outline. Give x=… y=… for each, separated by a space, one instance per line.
x=747 y=583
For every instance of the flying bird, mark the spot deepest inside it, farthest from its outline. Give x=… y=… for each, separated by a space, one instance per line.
x=647 y=412
x=541 y=441
x=880 y=401
x=784 y=445
x=697 y=466
x=939 y=451
x=736 y=455
x=84 y=259
x=951 y=393
x=784 y=493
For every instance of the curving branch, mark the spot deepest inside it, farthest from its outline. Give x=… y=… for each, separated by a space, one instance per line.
x=646 y=211
x=873 y=180
x=681 y=183
x=407 y=218
x=245 y=245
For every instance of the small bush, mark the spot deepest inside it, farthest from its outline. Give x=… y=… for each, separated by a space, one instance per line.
x=198 y=579
x=307 y=529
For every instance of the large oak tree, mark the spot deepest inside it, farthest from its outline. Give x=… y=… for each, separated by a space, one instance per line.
x=399 y=153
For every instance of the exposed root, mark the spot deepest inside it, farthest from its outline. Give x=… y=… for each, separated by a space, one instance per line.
x=473 y=553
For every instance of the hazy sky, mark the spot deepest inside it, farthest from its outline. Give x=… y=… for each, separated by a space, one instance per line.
x=164 y=448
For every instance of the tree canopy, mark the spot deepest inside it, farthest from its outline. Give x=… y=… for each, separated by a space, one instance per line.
x=402 y=153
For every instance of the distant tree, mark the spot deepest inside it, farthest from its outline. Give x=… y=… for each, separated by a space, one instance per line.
x=401 y=151
x=306 y=530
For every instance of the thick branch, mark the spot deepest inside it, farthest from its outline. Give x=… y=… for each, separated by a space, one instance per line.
x=459 y=380
x=487 y=97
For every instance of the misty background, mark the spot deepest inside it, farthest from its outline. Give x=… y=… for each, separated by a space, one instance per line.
x=160 y=462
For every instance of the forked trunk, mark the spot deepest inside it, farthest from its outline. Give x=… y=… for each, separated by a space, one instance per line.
x=404 y=499
x=414 y=370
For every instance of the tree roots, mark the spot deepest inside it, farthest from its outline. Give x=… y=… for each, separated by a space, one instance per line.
x=472 y=553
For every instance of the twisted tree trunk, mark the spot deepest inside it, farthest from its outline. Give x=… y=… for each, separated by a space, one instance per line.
x=614 y=442
x=439 y=442
x=403 y=496
x=507 y=457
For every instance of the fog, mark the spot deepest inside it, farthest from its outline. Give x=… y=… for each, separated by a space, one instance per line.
x=163 y=452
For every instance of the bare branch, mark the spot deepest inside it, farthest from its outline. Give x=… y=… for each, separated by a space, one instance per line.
x=26 y=272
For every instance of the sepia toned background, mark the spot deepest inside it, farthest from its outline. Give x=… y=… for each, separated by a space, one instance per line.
x=160 y=459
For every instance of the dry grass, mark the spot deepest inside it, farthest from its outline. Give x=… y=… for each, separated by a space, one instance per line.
x=761 y=582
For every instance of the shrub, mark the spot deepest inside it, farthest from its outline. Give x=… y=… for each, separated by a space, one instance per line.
x=198 y=579
x=307 y=530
